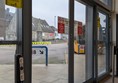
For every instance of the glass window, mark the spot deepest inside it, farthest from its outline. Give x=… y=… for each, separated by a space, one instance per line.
x=7 y=52
x=107 y=2
x=102 y=43
x=79 y=42
x=8 y=22
x=46 y=15
x=83 y=36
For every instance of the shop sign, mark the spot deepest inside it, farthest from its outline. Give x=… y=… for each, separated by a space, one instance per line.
x=80 y=31
x=61 y=25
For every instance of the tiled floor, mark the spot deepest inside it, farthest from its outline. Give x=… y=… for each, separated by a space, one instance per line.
x=110 y=80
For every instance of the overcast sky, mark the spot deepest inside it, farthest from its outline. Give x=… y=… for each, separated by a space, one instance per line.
x=48 y=10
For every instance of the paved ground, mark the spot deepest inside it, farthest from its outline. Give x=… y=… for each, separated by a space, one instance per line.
x=56 y=54
x=41 y=74
x=54 y=73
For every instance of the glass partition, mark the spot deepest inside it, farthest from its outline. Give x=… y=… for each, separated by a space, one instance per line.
x=7 y=54
x=107 y=2
x=79 y=42
x=102 y=43
x=83 y=37
x=8 y=30
x=10 y=24
x=7 y=33
x=46 y=33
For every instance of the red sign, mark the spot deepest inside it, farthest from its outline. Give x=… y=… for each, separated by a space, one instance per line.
x=80 y=31
x=51 y=34
x=61 y=25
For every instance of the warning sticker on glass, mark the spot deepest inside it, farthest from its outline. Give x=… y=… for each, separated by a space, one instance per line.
x=14 y=3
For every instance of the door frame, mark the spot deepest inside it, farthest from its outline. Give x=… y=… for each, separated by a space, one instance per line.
x=96 y=6
x=108 y=58
x=116 y=45
x=27 y=21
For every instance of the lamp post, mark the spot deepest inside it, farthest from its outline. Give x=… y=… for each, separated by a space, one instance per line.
x=55 y=26
x=55 y=21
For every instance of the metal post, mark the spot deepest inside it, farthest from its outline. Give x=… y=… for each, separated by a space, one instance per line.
x=71 y=42
x=19 y=44
x=27 y=39
x=116 y=44
x=89 y=43
x=95 y=59
x=46 y=56
x=55 y=21
x=113 y=64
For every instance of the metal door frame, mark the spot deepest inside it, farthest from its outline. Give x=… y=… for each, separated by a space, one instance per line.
x=108 y=24
x=27 y=39
x=116 y=45
x=71 y=43
x=71 y=51
x=71 y=40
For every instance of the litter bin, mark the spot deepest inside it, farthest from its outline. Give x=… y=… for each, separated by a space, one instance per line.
x=81 y=49
x=76 y=46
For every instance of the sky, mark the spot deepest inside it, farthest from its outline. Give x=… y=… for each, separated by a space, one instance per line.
x=102 y=19
x=49 y=10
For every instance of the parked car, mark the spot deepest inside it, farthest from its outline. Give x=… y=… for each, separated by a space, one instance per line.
x=1 y=38
x=58 y=37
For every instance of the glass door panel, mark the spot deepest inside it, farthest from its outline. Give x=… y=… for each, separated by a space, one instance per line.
x=89 y=43
x=8 y=32
x=83 y=38
x=45 y=33
x=102 y=43
x=79 y=42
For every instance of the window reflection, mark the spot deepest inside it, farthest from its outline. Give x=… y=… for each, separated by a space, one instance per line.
x=107 y=2
x=102 y=43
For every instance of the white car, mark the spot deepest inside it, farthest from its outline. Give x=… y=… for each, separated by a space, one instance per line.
x=57 y=37
x=1 y=38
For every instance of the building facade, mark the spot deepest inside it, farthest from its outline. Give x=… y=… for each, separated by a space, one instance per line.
x=11 y=28
x=2 y=19
x=41 y=31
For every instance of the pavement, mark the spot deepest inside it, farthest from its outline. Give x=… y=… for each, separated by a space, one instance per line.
x=54 y=73
x=55 y=53
x=40 y=73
